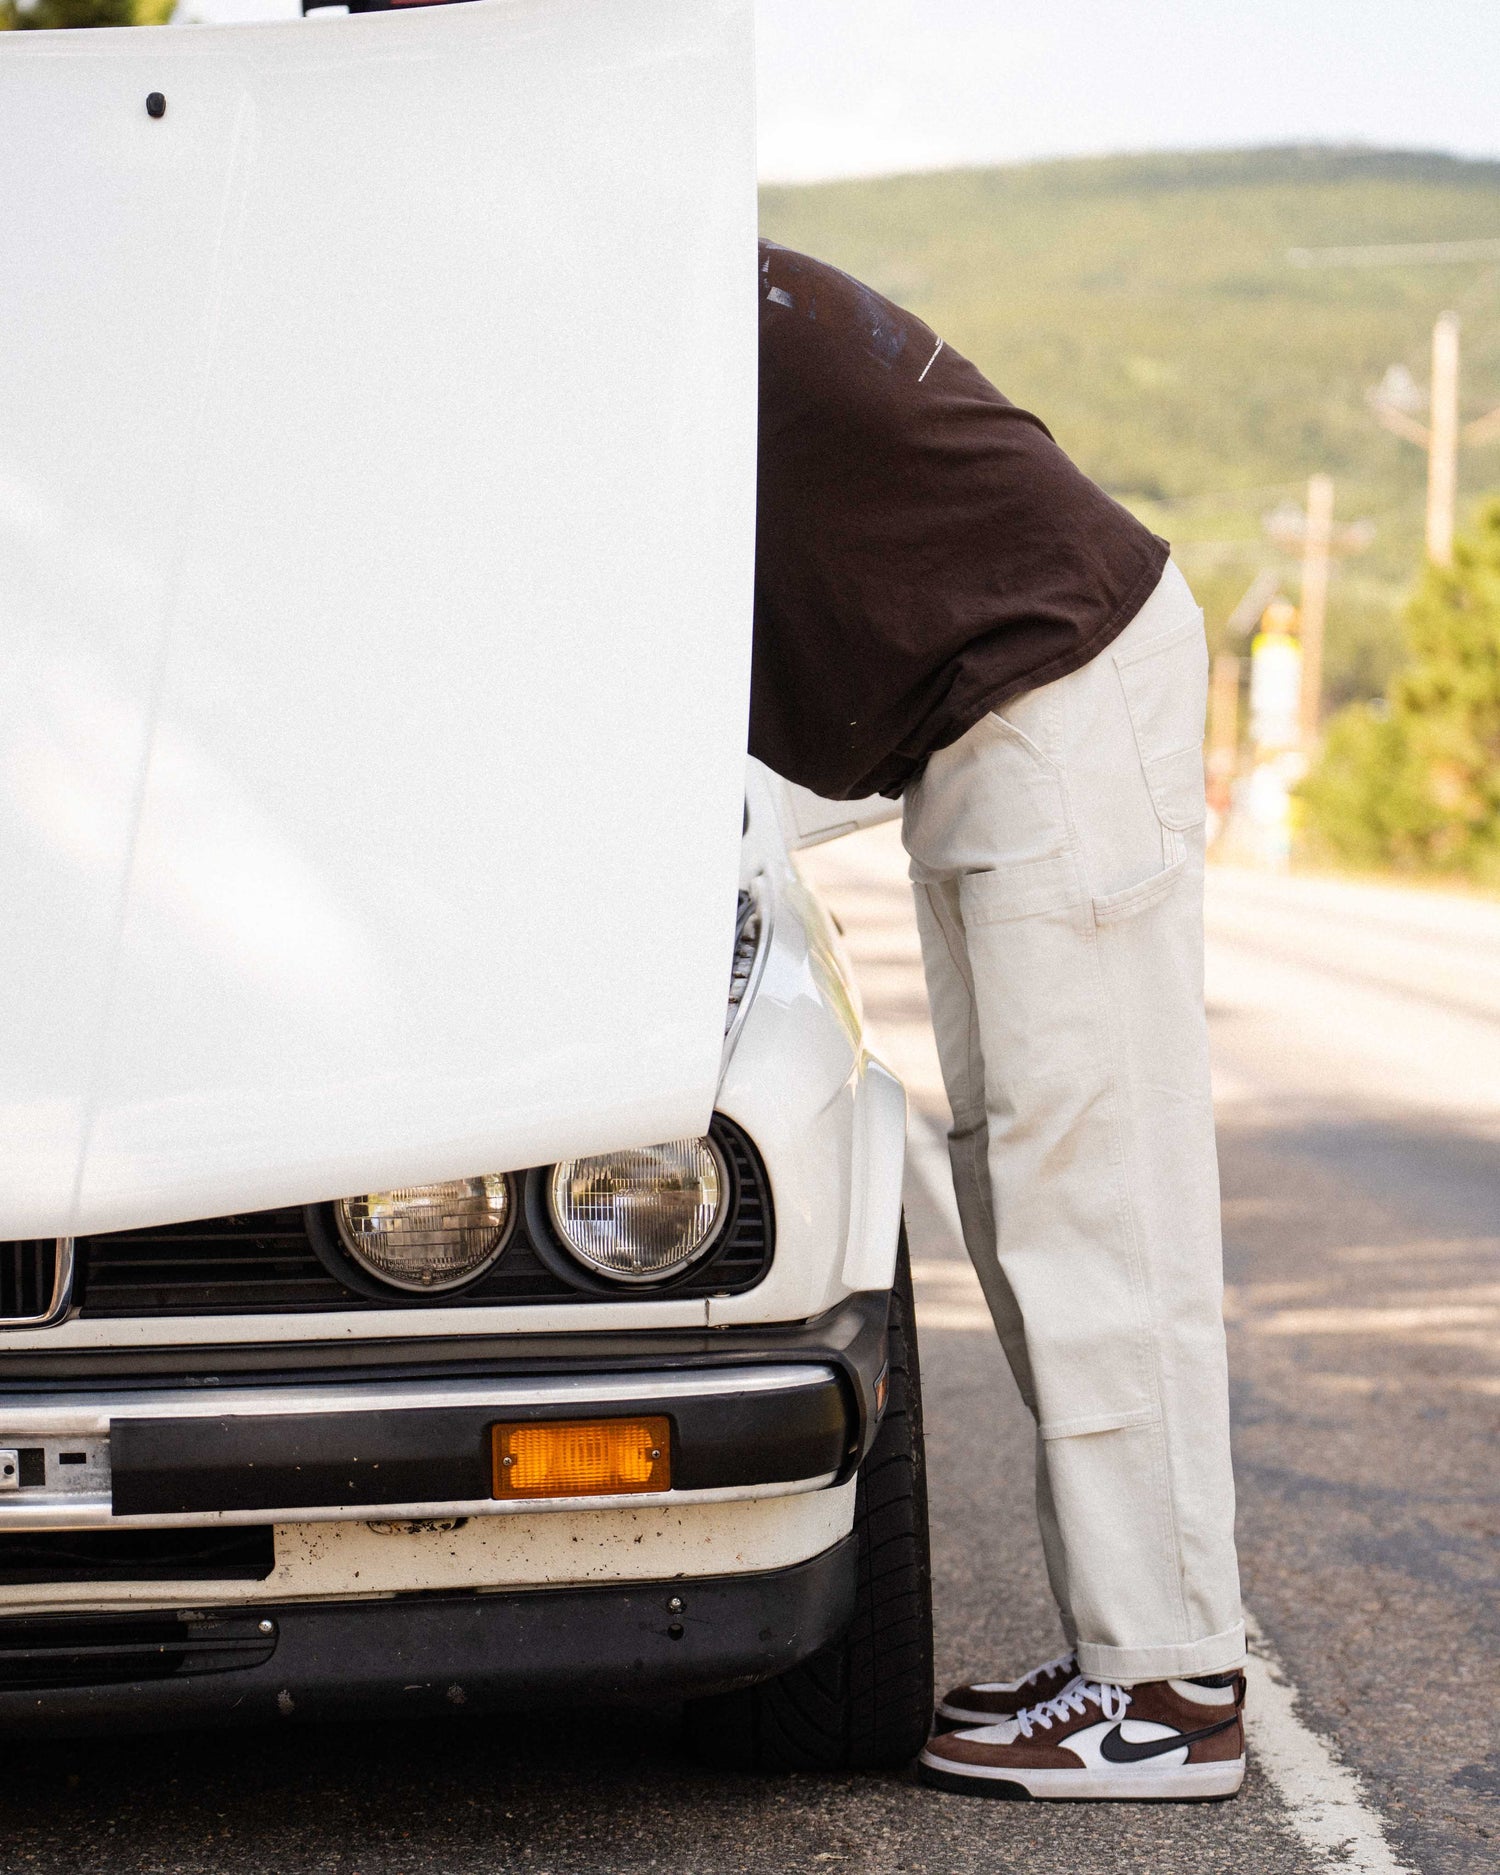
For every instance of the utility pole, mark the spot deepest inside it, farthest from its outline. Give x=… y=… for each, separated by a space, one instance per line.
x=1223 y=731
x=1442 y=441
x=1224 y=711
x=1316 y=541
x=1396 y=399
x=1311 y=533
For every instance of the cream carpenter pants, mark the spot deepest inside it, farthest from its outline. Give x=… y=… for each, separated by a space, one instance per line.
x=1057 y=858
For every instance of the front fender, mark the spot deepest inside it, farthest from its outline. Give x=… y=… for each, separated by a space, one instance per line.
x=829 y=1119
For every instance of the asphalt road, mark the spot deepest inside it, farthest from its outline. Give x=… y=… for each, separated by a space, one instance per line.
x=1356 y=1037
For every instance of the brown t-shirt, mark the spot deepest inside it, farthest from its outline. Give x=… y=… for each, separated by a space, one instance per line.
x=924 y=550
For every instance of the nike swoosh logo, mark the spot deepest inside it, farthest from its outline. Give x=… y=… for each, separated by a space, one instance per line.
x=1115 y=1748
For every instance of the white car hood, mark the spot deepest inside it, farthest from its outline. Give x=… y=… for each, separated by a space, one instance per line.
x=376 y=537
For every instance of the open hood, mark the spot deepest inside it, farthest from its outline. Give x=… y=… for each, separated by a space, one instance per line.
x=376 y=538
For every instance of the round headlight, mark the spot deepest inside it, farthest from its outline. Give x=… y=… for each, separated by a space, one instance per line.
x=428 y=1237
x=637 y=1217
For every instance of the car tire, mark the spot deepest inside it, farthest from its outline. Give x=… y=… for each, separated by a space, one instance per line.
x=864 y=1702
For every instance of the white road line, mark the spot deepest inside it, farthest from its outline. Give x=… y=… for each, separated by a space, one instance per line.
x=1324 y=1801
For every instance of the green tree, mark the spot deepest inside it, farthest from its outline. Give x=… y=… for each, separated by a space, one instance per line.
x=1414 y=782
x=54 y=14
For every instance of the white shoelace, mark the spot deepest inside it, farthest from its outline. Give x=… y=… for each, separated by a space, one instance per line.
x=1069 y=1659
x=1072 y=1702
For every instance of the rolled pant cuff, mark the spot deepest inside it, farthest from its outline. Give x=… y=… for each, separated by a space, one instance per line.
x=1127 y=1666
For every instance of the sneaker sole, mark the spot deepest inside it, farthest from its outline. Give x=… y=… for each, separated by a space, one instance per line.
x=1185 y=1783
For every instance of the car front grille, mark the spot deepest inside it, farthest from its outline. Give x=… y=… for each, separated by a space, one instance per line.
x=264 y=1262
x=28 y=1275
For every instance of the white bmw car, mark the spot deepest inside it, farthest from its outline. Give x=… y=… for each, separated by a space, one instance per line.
x=449 y=1216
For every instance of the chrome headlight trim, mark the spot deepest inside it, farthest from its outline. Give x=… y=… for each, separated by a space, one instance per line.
x=331 y=1232
x=565 y=1257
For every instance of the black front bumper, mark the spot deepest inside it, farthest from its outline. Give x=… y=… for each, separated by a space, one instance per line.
x=409 y=1444
x=252 y=1662
x=640 y=1643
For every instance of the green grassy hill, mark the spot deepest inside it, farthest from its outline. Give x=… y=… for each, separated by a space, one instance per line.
x=1146 y=309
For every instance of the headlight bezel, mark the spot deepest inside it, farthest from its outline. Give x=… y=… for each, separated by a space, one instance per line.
x=550 y=1246
x=334 y=1252
x=729 y=1263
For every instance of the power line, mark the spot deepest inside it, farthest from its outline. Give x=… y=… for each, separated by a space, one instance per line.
x=1221 y=497
x=1396 y=254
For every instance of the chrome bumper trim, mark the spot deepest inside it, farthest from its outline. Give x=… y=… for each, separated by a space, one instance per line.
x=78 y=1413
x=94 y=1513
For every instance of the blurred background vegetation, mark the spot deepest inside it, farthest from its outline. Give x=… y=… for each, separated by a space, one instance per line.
x=1147 y=309
x=1411 y=781
x=53 y=14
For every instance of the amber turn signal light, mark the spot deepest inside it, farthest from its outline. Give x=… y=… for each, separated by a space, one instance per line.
x=582 y=1457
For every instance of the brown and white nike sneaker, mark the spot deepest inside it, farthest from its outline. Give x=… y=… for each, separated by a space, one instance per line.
x=984 y=1701
x=1176 y=1739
